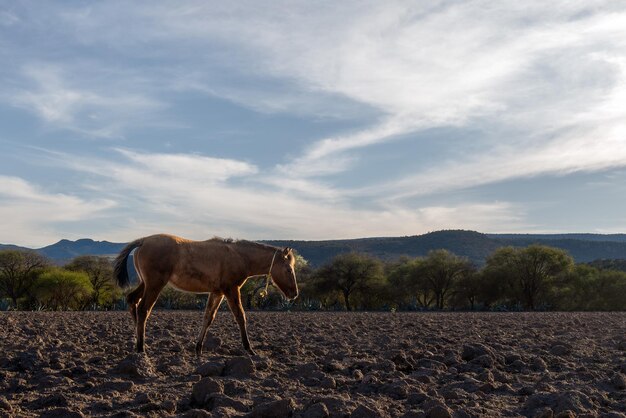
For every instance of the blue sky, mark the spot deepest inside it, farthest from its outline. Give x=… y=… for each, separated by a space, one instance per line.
x=310 y=120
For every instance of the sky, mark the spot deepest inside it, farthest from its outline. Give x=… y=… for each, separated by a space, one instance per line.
x=310 y=120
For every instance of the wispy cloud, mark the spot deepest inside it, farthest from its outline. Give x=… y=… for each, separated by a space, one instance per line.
x=98 y=111
x=30 y=215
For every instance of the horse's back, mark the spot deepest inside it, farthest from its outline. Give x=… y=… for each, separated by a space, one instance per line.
x=194 y=266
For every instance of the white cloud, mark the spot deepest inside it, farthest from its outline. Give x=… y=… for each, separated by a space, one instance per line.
x=99 y=111
x=192 y=206
x=32 y=216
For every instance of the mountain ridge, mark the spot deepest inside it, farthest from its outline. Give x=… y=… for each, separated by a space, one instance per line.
x=471 y=244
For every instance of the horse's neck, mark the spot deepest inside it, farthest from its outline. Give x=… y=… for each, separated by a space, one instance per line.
x=260 y=261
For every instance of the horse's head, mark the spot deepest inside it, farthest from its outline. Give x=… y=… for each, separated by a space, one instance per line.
x=284 y=274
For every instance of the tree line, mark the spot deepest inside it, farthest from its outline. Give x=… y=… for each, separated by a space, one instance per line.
x=531 y=278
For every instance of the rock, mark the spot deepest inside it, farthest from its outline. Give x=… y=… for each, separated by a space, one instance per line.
x=5 y=405
x=619 y=381
x=538 y=364
x=472 y=351
x=136 y=365
x=204 y=389
x=210 y=368
x=357 y=374
x=572 y=400
x=485 y=376
x=168 y=406
x=328 y=382
x=27 y=361
x=565 y=414
x=55 y=399
x=413 y=414
x=544 y=413
x=438 y=411
x=218 y=400
x=416 y=398
x=197 y=413
x=61 y=413
x=363 y=411
x=241 y=367
x=560 y=350
x=395 y=390
x=484 y=360
x=317 y=410
x=282 y=408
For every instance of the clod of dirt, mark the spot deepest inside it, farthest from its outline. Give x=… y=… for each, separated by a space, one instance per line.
x=281 y=408
x=197 y=413
x=572 y=400
x=135 y=365
x=560 y=350
x=61 y=413
x=363 y=411
x=210 y=368
x=317 y=410
x=438 y=411
x=203 y=390
x=239 y=367
x=472 y=351
x=5 y=405
x=619 y=381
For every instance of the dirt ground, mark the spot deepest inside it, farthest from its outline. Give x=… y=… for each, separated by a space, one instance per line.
x=74 y=364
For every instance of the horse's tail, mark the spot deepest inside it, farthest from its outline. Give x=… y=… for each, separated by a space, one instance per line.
x=120 y=272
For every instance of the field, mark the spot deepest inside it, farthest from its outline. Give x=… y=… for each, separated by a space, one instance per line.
x=315 y=365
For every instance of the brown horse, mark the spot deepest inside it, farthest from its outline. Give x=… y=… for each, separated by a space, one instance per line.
x=216 y=266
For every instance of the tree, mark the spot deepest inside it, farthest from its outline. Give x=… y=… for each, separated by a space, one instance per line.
x=408 y=284
x=349 y=274
x=18 y=272
x=442 y=270
x=611 y=291
x=63 y=289
x=529 y=271
x=100 y=273
x=469 y=287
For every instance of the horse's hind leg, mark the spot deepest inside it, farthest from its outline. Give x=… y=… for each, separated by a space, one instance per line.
x=144 y=308
x=234 y=303
x=133 y=298
x=213 y=303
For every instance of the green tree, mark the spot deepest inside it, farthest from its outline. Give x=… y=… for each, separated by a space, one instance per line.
x=611 y=291
x=18 y=272
x=63 y=289
x=576 y=288
x=408 y=283
x=529 y=272
x=100 y=273
x=350 y=275
x=442 y=270
x=469 y=288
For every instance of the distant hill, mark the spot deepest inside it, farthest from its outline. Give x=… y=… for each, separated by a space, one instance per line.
x=65 y=250
x=473 y=245
x=608 y=264
x=582 y=237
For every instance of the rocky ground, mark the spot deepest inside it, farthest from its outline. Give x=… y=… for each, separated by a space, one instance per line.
x=74 y=364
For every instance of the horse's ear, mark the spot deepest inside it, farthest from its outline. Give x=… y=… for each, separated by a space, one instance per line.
x=286 y=251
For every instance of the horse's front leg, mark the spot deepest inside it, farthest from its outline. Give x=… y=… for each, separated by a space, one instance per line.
x=234 y=303
x=212 y=305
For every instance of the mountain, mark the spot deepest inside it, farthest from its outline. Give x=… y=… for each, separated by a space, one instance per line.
x=470 y=244
x=64 y=250
x=582 y=237
x=473 y=245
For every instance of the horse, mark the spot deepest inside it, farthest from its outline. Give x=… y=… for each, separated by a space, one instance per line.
x=216 y=266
